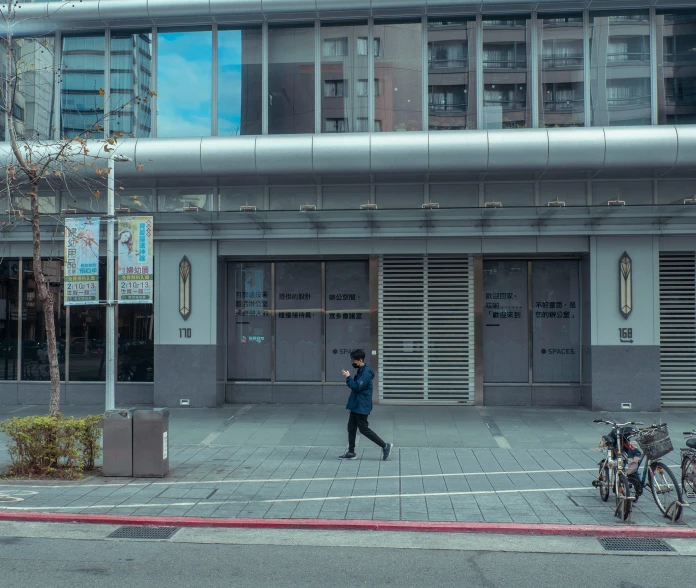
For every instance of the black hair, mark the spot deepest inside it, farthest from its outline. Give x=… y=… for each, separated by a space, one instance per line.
x=357 y=355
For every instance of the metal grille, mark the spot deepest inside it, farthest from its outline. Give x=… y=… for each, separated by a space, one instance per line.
x=426 y=329
x=678 y=328
x=633 y=544
x=138 y=532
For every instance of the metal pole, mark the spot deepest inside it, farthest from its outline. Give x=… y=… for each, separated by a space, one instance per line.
x=110 y=346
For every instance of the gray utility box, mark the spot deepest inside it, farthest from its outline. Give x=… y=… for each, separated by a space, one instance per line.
x=150 y=443
x=118 y=442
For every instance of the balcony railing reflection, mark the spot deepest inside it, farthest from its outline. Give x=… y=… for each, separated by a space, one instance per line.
x=681 y=99
x=447 y=63
x=576 y=105
x=505 y=63
x=507 y=105
x=628 y=56
x=564 y=61
x=680 y=58
x=447 y=108
x=630 y=101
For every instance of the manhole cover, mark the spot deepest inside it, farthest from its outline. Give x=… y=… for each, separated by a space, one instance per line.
x=136 y=532
x=633 y=544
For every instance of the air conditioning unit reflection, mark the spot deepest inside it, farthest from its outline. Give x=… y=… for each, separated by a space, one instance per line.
x=431 y=205
x=308 y=208
x=493 y=204
x=247 y=208
x=616 y=202
x=368 y=206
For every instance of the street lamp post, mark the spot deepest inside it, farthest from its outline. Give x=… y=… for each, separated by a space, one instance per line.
x=110 y=278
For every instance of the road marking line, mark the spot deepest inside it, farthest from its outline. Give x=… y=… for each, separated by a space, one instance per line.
x=288 y=480
x=277 y=500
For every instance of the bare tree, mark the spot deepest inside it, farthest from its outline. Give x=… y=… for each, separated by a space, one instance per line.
x=41 y=158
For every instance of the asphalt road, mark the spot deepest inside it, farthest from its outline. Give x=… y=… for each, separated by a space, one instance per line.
x=47 y=562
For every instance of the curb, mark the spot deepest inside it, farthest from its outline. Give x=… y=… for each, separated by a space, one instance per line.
x=357 y=525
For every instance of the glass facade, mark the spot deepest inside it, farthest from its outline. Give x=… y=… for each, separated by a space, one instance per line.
x=9 y=318
x=676 y=68
x=451 y=74
x=136 y=344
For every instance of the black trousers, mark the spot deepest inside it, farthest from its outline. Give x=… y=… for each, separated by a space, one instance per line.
x=359 y=421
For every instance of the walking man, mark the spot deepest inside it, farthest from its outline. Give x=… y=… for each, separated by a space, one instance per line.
x=360 y=405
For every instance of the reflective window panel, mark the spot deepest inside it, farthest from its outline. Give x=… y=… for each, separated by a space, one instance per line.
x=562 y=93
x=506 y=91
x=346 y=197
x=347 y=316
x=131 y=84
x=185 y=199
x=136 y=349
x=630 y=192
x=569 y=193
x=184 y=83
x=234 y=197
x=34 y=347
x=292 y=197
x=344 y=91
x=34 y=102
x=399 y=72
x=131 y=200
x=676 y=68
x=82 y=75
x=249 y=321
x=9 y=318
x=290 y=80
x=84 y=201
x=239 y=82
x=87 y=338
x=620 y=68
x=451 y=74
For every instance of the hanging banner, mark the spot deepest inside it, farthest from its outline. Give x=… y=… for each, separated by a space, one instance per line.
x=135 y=260
x=81 y=261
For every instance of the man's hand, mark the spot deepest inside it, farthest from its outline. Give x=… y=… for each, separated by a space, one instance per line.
x=346 y=373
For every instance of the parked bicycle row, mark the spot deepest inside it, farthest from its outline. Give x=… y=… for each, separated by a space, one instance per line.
x=630 y=446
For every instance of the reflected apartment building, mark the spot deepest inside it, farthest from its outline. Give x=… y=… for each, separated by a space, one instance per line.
x=497 y=206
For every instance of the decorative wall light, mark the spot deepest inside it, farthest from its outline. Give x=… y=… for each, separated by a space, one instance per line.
x=625 y=285
x=185 y=288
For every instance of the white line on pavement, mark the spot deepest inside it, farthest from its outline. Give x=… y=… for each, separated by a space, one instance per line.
x=288 y=480
x=277 y=500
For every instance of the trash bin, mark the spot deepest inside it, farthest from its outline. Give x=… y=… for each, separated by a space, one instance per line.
x=150 y=443
x=118 y=442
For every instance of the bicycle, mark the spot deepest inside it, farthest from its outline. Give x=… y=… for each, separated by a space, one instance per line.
x=688 y=465
x=655 y=443
x=612 y=469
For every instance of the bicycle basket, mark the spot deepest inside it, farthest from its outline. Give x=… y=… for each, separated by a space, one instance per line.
x=655 y=442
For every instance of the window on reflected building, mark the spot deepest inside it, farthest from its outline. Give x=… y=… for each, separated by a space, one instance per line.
x=291 y=80
x=620 y=68
x=562 y=95
x=676 y=68
x=506 y=91
x=344 y=66
x=87 y=337
x=136 y=349
x=82 y=86
x=9 y=318
x=184 y=83
x=34 y=346
x=130 y=102
x=451 y=74
x=239 y=81
x=33 y=112
x=398 y=69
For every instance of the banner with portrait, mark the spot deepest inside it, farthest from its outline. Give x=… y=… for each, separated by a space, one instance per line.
x=135 y=271
x=81 y=261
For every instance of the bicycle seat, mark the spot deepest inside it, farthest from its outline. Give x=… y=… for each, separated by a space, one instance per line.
x=608 y=439
x=691 y=443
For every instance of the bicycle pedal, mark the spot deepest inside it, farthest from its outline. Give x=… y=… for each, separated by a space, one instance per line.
x=595 y=483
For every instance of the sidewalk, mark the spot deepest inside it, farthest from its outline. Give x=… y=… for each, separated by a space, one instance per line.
x=451 y=463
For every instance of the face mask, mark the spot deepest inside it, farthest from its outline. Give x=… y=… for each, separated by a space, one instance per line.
x=355 y=364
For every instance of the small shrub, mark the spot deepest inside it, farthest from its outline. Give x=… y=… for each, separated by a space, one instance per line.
x=46 y=446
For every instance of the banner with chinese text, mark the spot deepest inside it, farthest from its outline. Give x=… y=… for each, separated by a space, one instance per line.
x=81 y=261
x=135 y=260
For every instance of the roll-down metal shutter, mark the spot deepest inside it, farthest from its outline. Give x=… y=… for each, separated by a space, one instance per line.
x=678 y=328
x=426 y=329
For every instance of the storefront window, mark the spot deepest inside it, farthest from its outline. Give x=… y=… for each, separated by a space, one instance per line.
x=87 y=341
x=249 y=321
x=676 y=58
x=34 y=347
x=298 y=321
x=239 y=82
x=135 y=343
x=347 y=306
x=9 y=318
x=291 y=80
x=398 y=70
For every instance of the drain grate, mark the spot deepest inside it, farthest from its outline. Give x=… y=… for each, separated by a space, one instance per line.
x=137 y=532
x=633 y=544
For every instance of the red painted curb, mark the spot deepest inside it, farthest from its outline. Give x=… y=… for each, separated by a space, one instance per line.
x=356 y=525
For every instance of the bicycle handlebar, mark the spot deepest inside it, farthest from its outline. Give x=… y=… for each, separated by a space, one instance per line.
x=613 y=424
x=692 y=433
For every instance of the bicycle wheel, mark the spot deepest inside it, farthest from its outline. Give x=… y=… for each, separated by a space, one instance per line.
x=688 y=478
x=664 y=487
x=623 y=491
x=604 y=480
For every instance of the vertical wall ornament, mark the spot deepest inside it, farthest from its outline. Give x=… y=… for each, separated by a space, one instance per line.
x=185 y=288
x=625 y=285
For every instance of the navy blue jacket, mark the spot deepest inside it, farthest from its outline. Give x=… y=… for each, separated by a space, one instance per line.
x=360 y=400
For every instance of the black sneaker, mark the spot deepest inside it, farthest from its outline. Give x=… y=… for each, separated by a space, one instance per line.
x=347 y=455
x=386 y=452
